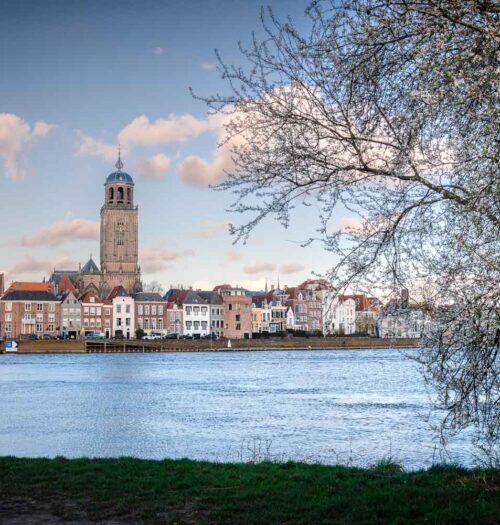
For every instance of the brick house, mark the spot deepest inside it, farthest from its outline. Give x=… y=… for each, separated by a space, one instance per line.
x=237 y=313
x=92 y=312
x=151 y=312
x=25 y=312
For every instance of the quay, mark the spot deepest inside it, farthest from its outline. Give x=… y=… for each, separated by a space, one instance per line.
x=221 y=345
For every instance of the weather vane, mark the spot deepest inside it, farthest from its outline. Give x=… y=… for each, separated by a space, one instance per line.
x=119 y=163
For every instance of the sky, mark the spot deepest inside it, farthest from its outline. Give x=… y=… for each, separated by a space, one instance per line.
x=79 y=76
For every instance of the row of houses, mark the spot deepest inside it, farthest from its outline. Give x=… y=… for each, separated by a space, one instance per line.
x=55 y=308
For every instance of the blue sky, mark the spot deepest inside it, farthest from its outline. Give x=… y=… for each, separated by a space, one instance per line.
x=77 y=76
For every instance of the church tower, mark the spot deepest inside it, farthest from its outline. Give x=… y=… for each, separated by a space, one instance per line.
x=119 y=232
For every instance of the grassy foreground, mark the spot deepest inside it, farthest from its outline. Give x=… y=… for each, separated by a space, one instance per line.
x=128 y=490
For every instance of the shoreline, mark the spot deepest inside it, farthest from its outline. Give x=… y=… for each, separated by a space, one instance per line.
x=255 y=345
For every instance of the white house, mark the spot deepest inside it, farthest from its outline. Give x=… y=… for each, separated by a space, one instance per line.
x=196 y=314
x=340 y=316
x=123 y=316
x=408 y=322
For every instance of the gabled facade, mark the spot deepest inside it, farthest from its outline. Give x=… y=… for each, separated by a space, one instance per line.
x=92 y=312
x=123 y=313
x=71 y=316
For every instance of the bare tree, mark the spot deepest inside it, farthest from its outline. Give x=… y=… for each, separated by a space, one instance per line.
x=387 y=109
x=153 y=286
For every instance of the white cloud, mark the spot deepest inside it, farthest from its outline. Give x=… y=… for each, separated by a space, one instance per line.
x=89 y=146
x=208 y=229
x=173 y=129
x=233 y=255
x=199 y=172
x=155 y=260
x=348 y=224
x=208 y=66
x=260 y=267
x=15 y=135
x=30 y=265
x=292 y=268
x=201 y=284
x=63 y=232
x=153 y=168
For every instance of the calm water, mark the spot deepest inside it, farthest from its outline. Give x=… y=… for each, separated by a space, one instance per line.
x=328 y=406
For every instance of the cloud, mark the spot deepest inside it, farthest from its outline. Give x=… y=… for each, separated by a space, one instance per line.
x=15 y=135
x=260 y=267
x=159 y=51
x=199 y=172
x=348 y=223
x=156 y=259
x=173 y=129
x=233 y=255
x=208 y=66
x=208 y=229
x=201 y=284
x=62 y=233
x=153 y=168
x=31 y=264
x=92 y=147
x=292 y=268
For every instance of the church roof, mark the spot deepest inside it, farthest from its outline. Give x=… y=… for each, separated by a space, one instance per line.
x=65 y=285
x=90 y=267
x=119 y=176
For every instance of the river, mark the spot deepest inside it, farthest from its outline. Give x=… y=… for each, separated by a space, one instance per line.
x=332 y=406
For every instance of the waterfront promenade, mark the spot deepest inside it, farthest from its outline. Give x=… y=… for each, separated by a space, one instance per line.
x=221 y=345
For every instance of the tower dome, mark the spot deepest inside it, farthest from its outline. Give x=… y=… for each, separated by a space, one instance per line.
x=119 y=176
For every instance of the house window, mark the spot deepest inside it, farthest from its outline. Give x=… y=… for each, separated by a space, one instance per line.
x=139 y=309
x=8 y=317
x=127 y=321
x=127 y=308
x=238 y=326
x=188 y=310
x=229 y=306
x=146 y=309
x=51 y=328
x=39 y=307
x=39 y=327
x=238 y=317
x=160 y=309
x=118 y=321
x=118 y=308
x=52 y=307
x=204 y=310
x=27 y=307
x=8 y=307
x=153 y=309
x=153 y=324
x=8 y=327
x=160 y=324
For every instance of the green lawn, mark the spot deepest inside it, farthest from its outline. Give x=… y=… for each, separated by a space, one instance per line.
x=184 y=491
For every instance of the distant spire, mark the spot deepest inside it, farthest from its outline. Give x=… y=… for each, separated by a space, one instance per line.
x=119 y=163
x=279 y=283
x=265 y=289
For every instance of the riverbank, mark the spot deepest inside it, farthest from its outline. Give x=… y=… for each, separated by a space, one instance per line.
x=286 y=343
x=127 y=490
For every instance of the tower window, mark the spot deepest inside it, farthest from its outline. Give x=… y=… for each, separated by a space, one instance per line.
x=120 y=230
x=128 y=195
x=120 y=194
x=111 y=194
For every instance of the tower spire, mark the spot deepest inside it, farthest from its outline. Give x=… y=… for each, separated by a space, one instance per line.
x=119 y=163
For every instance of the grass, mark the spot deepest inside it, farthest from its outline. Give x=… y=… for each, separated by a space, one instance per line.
x=185 y=491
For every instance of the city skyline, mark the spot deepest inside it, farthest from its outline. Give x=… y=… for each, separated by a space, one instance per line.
x=94 y=76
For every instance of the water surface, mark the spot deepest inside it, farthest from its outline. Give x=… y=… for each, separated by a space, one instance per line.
x=321 y=405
